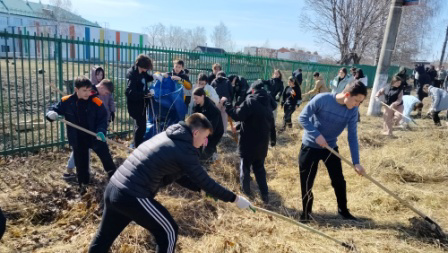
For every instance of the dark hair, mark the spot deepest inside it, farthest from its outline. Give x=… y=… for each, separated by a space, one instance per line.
x=359 y=74
x=316 y=74
x=82 y=81
x=221 y=74
x=291 y=79
x=231 y=77
x=202 y=77
x=300 y=70
x=199 y=92
x=279 y=72
x=186 y=71
x=98 y=70
x=418 y=106
x=199 y=121
x=355 y=88
x=343 y=70
x=217 y=66
x=180 y=62
x=109 y=85
x=353 y=69
x=396 y=79
x=143 y=61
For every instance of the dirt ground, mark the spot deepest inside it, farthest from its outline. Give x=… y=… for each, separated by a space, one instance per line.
x=45 y=214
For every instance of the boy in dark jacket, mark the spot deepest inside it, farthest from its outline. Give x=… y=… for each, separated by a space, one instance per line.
x=215 y=69
x=205 y=105
x=88 y=112
x=257 y=122
x=240 y=88
x=289 y=102
x=324 y=118
x=224 y=89
x=180 y=75
x=137 y=93
x=168 y=157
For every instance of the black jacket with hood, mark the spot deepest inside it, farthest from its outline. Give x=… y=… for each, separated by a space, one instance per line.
x=166 y=158
x=223 y=87
x=257 y=124
x=240 y=90
x=276 y=88
x=213 y=114
x=137 y=88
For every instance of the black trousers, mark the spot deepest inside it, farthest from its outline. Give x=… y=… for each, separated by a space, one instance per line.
x=288 y=110
x=2 y=224
x=308 y=161
x=436 y=118
x=81 y=154
x=139 y=128
x=213 y=141
x=259 y=172
x=120 y=209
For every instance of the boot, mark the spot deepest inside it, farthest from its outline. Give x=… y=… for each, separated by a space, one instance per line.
x=265 y=198
x=346 y=215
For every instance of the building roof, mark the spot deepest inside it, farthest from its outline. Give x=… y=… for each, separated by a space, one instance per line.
x=284 y=50
x=41 y=11
x=210 y=50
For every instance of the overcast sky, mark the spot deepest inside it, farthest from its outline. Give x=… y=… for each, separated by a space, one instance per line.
x=251 y=22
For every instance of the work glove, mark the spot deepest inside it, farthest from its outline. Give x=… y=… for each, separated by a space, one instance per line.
x=101 y=136
x=112 y=117
x=242 y=202
x=52 y=116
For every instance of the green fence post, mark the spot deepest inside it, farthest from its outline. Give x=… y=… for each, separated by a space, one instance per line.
x=61 y=81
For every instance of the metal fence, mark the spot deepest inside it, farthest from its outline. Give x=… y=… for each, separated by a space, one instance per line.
x=32 y=65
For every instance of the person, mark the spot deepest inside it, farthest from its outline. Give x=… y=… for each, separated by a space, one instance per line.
x=2 y=224
x=215 y=69
x=432 y=73
x=276 y=88
x=297 y=75
x=422 y=78
x=224 y=89
x=257 y=128
x=209 y=91
x=393 y=95
x=353 y=71
x=88 y=112
x=170 y=156
x=441 y=76
x=359 y=75
x=205 y=105
x=319 y=85
x=104 y=91
x=289 y=102
x=439 y=102
x=340 y=81
x=178 y=74
x=410 y=103
x=137 y=93
x=324 y=118
x=240 y=88
x=406 y=87
x=97 y=75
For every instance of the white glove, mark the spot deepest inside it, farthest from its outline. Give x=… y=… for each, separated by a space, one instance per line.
x=242 y=202
x=52 y=115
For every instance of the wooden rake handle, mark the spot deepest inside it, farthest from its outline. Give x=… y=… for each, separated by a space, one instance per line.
x=402 y=201
x=94 y=134
x=397 y=112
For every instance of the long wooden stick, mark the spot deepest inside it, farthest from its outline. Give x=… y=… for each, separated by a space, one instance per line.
x=94 y=134
x=402 y=201
x=397 y=111
x=346 y=245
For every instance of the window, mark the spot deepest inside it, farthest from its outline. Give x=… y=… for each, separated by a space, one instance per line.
x=5 y=48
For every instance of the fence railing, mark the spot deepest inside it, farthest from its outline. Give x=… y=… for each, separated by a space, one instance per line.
x=31 y=65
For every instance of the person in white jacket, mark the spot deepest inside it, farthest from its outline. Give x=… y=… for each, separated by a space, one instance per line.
x=209 y=91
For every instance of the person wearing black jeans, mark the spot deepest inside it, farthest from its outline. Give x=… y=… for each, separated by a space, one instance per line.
x=289 y=102
x=137 y=93
x=2 y=224
x=168 y=157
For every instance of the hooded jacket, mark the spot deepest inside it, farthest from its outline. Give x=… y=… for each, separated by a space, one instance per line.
x=338 y=85
x=257 y=123
x=136 y=90
x=439 y=99
x=290 y=97
x=166 y=158
x=213 y=114
x=319 y=86
x=185 y=81
x=240 y=91
x=223 y=88
x=276 y=88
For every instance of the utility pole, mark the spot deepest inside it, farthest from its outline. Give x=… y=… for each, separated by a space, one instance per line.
x=443 y=48
x=387 y=49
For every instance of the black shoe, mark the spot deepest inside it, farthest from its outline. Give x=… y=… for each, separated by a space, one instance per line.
x=305 y=218
x=346 y=215
x=265 y=198
x=82 y=189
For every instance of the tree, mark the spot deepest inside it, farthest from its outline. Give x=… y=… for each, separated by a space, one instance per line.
x=347 y=25
x=222 y=38
x=156 y=34
x=58 y=11
x=175 y=36
x=198 y=37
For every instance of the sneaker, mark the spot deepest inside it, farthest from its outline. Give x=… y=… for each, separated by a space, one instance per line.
x=82 y=189
x=265 y=198
x=305 y=218
x=346 y=215
x=69 y=176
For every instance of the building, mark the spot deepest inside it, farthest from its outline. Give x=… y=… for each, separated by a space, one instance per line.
x=283 y=53
x=26 y=17
x=261 y=51
x=213 y=50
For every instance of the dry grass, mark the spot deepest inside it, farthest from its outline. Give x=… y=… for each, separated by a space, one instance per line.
x=46 y=215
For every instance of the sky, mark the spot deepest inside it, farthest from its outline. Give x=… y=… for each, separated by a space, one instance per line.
x=251 y=22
